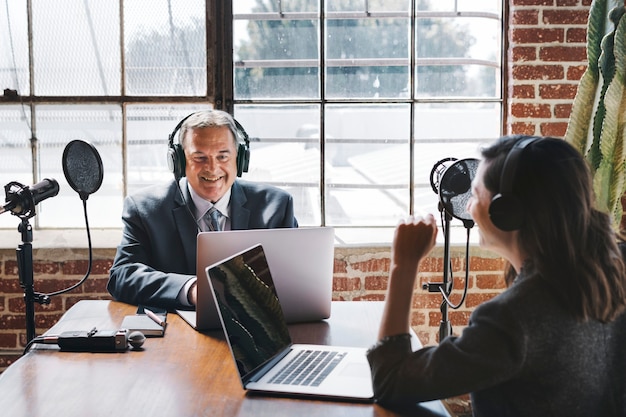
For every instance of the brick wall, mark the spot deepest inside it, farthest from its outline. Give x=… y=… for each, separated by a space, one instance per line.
x=546 y=58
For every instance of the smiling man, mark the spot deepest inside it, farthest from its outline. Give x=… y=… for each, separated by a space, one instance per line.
x=156 y=260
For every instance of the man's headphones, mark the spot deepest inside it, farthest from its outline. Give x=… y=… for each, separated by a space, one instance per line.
x=176 y=160
x=506 y=211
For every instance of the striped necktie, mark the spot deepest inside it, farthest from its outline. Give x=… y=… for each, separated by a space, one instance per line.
x=213 y=219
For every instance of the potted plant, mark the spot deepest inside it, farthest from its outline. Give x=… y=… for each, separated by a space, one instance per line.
x=598 y=117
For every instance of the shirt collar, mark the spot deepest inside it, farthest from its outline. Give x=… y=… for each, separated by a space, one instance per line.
x=202 y=205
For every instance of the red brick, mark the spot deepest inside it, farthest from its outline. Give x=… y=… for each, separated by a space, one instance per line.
x=537 y=35
x=376 y=283
x=8 y=340
x=576 y=35
x=490 y=281
x=346 y=284
x=558 y=91
x=10 y=286
x=340 y=266
x=532 y=2
x=418 y=318
x=538 y=72
x=563 y=16
x=521 y=128
x=556 y=130
x=562 y=111
x=46 y=268
x=525 y=17
x=426 y=300
x=372 y=265
x=459 y=318
x=575 y=73
x=431 y=264
x=75 y=268
x=523 y=91
x=93 y=284
x=563 y=54
x=524 y=53
x=523 y=110
x=10 y=268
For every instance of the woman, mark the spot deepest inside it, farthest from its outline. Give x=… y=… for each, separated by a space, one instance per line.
x=554 y=342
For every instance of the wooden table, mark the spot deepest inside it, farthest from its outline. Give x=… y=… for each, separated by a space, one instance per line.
x=185 y=373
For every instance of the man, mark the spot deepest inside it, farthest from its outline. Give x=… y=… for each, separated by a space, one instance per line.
x=156 y=260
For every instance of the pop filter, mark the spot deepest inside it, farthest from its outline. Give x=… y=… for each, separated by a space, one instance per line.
x=82 y=167
x=454 y=188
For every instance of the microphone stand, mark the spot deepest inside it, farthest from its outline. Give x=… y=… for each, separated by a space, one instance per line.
x=445 y=287
x=24 y=253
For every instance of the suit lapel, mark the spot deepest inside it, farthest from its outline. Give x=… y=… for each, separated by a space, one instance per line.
x=185 y=224
x=240 y=216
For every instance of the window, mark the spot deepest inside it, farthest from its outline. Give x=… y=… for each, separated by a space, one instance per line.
x=349 y=103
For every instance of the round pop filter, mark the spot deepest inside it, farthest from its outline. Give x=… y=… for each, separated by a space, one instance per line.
x=455 y=186
x=82 y=167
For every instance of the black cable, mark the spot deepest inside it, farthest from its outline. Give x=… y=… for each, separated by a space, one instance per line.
x=38 y=339
x=445 y=297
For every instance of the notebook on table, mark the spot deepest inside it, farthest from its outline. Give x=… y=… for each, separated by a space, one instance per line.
x=302 y=266
x=256 y=330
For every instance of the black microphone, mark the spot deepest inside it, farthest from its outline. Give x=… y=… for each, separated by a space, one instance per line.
x=452 y=180
x=21 y=199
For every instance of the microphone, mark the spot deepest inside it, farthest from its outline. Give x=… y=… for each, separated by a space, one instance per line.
x=21 y=200
x=452 y=179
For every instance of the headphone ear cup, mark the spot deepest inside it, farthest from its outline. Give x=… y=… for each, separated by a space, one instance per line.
x=243 y=159
x=506 y=212
x=176 y=160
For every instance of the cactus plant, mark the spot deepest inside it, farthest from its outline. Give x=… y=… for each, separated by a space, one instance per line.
x=598 y=117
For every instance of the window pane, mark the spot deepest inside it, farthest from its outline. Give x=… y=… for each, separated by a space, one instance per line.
x=367 y=162
x=276 y=58
x=100 y=125
x=76 y=47
x=148 y=129
x=15 y=155
x=14 y=59
x=165 y=48
x=285 y=152
x=458 y=56
x=367 y=57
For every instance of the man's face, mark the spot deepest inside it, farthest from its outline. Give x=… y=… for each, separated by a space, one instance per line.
x=211 y=161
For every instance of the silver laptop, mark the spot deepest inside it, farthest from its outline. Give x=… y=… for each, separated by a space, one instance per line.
x=257 y=334
x=302 y=266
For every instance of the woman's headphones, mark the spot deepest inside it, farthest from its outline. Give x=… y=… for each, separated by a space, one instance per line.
x=506 y=210
x=176 y=154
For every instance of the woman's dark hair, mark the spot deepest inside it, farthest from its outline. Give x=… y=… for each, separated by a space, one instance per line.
x=569 y=243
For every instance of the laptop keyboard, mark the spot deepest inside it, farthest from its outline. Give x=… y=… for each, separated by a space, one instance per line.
x=308 y=367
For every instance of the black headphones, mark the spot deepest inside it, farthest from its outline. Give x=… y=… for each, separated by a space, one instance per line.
x=506 y=211
x=176 y=153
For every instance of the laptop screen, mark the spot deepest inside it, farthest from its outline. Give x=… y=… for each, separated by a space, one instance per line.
x=249 y=308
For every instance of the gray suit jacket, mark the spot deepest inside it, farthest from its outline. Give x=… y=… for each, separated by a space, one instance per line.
x=157 y=255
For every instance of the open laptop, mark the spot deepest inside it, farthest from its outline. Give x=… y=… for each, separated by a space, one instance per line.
x=302 y=266
x=257 y=334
